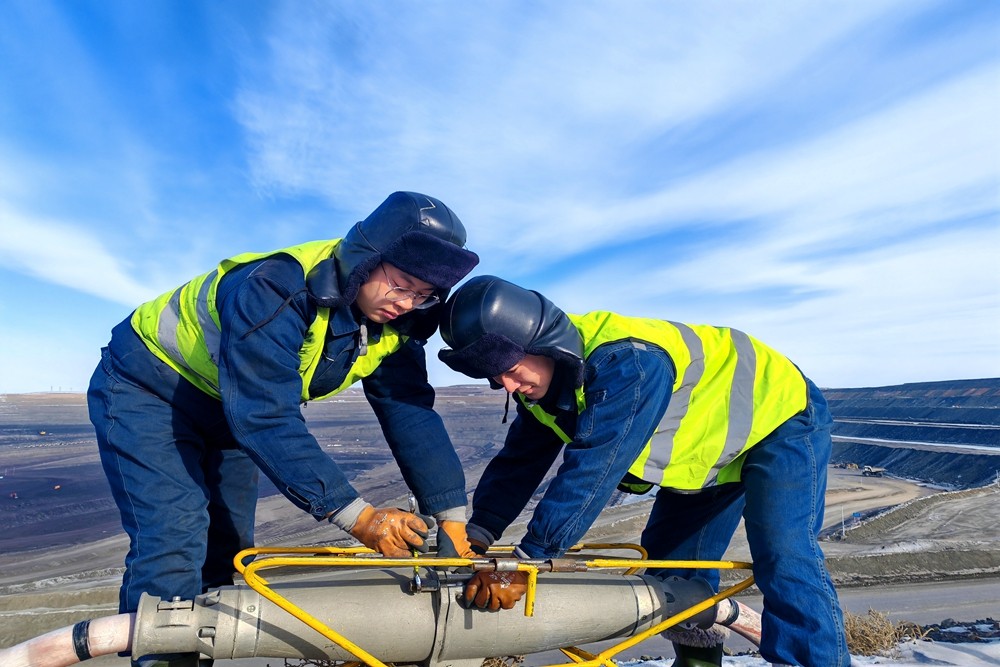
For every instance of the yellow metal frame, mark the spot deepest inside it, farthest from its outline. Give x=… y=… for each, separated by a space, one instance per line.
x=355 y=557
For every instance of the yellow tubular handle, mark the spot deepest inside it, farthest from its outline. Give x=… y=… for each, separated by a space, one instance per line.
x=529 y=594
x=604 y=657
x=254 y=582
x=577 y=654
x=355 y=557
x=259 y=551
x=643 y=554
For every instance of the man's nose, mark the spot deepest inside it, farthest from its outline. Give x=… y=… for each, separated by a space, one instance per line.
x=406 y=303
x=509 y=383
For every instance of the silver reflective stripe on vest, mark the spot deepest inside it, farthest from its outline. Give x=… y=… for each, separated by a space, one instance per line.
x=740 y=403
x=166 y=329
x=170 y=317
x=662 y=446
x=212 y=333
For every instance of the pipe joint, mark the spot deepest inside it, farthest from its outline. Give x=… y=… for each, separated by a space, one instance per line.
x=685 y=593
x=172 y=622
x=566 y=565
x=505 y=564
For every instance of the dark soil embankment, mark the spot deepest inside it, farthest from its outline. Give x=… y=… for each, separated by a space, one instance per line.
x=942 y=468
x=898 y=568
x=943 y=433
x=949 y=402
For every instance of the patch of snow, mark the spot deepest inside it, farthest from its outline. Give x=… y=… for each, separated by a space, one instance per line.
x=906 y=547
x=908 y=654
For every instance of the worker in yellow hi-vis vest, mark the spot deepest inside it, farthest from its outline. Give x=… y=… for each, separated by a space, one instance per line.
x=723 y=426
x=203 y=386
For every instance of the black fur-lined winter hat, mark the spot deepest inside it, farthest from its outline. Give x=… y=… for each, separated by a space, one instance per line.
x=490 y=324
x=414 y=232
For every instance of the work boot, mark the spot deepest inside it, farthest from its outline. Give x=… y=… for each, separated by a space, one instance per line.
x=697 y=656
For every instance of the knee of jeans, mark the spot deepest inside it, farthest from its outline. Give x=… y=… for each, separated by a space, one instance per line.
x=789 y=545
x=176 y=544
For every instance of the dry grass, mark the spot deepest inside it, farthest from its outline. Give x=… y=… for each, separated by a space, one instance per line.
x=875 y=634
x=510 y=661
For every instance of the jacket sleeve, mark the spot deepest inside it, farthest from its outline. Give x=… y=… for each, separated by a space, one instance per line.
x=627 y=393
x=515 y=473
x=403 y=402
x=264 y=314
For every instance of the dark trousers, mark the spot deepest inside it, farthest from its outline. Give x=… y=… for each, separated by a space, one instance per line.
x=781 y=497
x=185 y=491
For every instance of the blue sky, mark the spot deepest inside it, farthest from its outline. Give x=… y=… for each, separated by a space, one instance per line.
x=823 y=175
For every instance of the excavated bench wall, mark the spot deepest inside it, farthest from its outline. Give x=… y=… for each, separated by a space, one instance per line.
x=958 y=412
x=959 y=471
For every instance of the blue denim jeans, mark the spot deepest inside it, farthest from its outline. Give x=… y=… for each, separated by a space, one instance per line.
x=186 y=493
x=781 y=497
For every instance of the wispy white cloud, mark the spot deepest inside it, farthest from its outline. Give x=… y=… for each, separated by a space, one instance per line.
x=824 y=235
x=542 y=144
x=443 y=88
x=69 y=256
x=929 y=158
x=930 y=307
x=789 y=168
x=96 y=225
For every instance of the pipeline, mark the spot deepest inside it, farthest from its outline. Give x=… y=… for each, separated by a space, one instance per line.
x=379 y=610
x=73 y=644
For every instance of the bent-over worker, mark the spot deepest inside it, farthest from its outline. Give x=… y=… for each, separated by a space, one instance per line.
x=725 y=426
x=202 y=386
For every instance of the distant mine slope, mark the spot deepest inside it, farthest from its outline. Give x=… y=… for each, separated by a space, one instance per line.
x=944 y=433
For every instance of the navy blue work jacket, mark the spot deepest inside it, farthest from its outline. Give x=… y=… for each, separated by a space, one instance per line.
x=260 y=386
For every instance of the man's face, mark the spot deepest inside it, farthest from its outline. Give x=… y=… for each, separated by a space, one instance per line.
x=390 y=292
x=530 y=377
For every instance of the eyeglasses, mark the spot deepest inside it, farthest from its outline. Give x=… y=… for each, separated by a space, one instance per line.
x=395 y=293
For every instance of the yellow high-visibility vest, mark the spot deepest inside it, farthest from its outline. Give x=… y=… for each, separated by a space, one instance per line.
x=730 y=392
x=181 y=327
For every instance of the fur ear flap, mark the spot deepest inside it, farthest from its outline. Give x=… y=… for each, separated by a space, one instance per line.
x=322 y=284
x=488 y=356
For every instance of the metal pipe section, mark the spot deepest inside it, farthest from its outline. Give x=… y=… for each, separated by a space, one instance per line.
x=378 y=610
